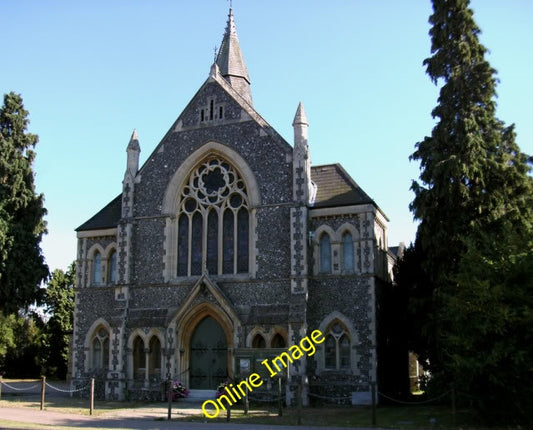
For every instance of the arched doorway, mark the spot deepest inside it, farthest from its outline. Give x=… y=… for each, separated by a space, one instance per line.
x=208 y=355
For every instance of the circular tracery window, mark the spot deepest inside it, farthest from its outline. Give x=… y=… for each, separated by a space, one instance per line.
x=211 y=184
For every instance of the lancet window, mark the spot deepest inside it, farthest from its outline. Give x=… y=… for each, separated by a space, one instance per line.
x=337 y=347
x=100 y=349
x=213 y=221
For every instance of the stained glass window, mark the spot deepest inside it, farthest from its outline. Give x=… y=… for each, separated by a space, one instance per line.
x=183 y=249
x=214 y=204
x=228 y=247
x=212 y=242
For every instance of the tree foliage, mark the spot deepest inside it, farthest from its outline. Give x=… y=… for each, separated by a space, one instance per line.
x=59 y=301
x=474 y=202
x=23 y=352
x=22 y=266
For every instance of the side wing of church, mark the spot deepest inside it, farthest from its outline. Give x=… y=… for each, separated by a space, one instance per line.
x=224 y=249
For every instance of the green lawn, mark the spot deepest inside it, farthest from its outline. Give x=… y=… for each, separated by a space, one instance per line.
x=398 y=417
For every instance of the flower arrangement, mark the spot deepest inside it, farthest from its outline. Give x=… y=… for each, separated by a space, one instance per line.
x=179 y=390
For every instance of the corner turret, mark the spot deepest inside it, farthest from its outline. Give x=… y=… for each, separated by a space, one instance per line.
x=303 y=188
x=133 y=150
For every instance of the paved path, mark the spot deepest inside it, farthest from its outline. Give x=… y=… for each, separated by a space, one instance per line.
x=136 y=419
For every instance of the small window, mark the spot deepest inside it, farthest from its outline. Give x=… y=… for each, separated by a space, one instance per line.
x=325 y=254
x=112 y=268
x=337 y=347
x=347 y=253
x=220 y=112
x=331 y=359
x=278 y=341
x=97 y=268
x=138 y=359
x=258 y=341
x=154 y=358
x=100 y=350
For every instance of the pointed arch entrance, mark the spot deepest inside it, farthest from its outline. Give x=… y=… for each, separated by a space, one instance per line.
x=208 y=355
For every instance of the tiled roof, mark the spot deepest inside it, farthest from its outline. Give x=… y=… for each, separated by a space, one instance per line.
x=108 y=217
x=335 y=187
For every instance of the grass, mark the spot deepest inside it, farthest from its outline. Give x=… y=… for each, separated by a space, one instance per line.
x=404 y=417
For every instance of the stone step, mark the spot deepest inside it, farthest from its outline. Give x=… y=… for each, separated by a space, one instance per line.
x=200 y=395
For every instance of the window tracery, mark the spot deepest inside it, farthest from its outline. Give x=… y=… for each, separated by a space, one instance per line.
x=337 y=347
x=100 y=349
x=213 y=221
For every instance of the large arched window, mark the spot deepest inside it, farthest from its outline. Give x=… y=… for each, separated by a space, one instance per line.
x=213 y=221
x=325 y=253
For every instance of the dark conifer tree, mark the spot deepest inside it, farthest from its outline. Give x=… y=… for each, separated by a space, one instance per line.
x=22 y=266
x=475 y=193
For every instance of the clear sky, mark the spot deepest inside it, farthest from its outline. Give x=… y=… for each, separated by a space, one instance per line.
x=91 y=71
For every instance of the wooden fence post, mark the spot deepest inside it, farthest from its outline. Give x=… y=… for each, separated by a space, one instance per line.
x=43 y=383
x=169 y=397
x=246 y=402
x=91 y=395
x=0 y=387
x=299 y=402
x=280 y=410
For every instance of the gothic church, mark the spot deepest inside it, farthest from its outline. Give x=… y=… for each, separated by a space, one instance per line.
x=225 y=248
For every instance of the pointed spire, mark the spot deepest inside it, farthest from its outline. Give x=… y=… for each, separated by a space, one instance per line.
x=231 y=61
x=300 y=117
x=134 y=142
x=133 y=151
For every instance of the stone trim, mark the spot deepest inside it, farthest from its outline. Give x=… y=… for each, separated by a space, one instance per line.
x=97 y=233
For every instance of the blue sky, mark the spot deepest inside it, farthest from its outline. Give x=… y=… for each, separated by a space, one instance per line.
x=90 y=72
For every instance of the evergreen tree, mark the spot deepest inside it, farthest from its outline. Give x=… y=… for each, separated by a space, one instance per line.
x=22 y=266
x=474 y=194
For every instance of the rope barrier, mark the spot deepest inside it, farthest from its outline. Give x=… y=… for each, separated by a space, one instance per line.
x=68 y=391
x=414 y=403
x=19 y=389
x=253 y=399
x=318 y=396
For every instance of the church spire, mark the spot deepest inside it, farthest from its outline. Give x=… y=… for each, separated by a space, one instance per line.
x=231 y=61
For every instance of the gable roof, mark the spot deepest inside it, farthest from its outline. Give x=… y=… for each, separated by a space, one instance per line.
x=107 y=217
x=335 y=187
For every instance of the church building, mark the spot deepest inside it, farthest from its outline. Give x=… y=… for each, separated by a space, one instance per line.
x=225 y=248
